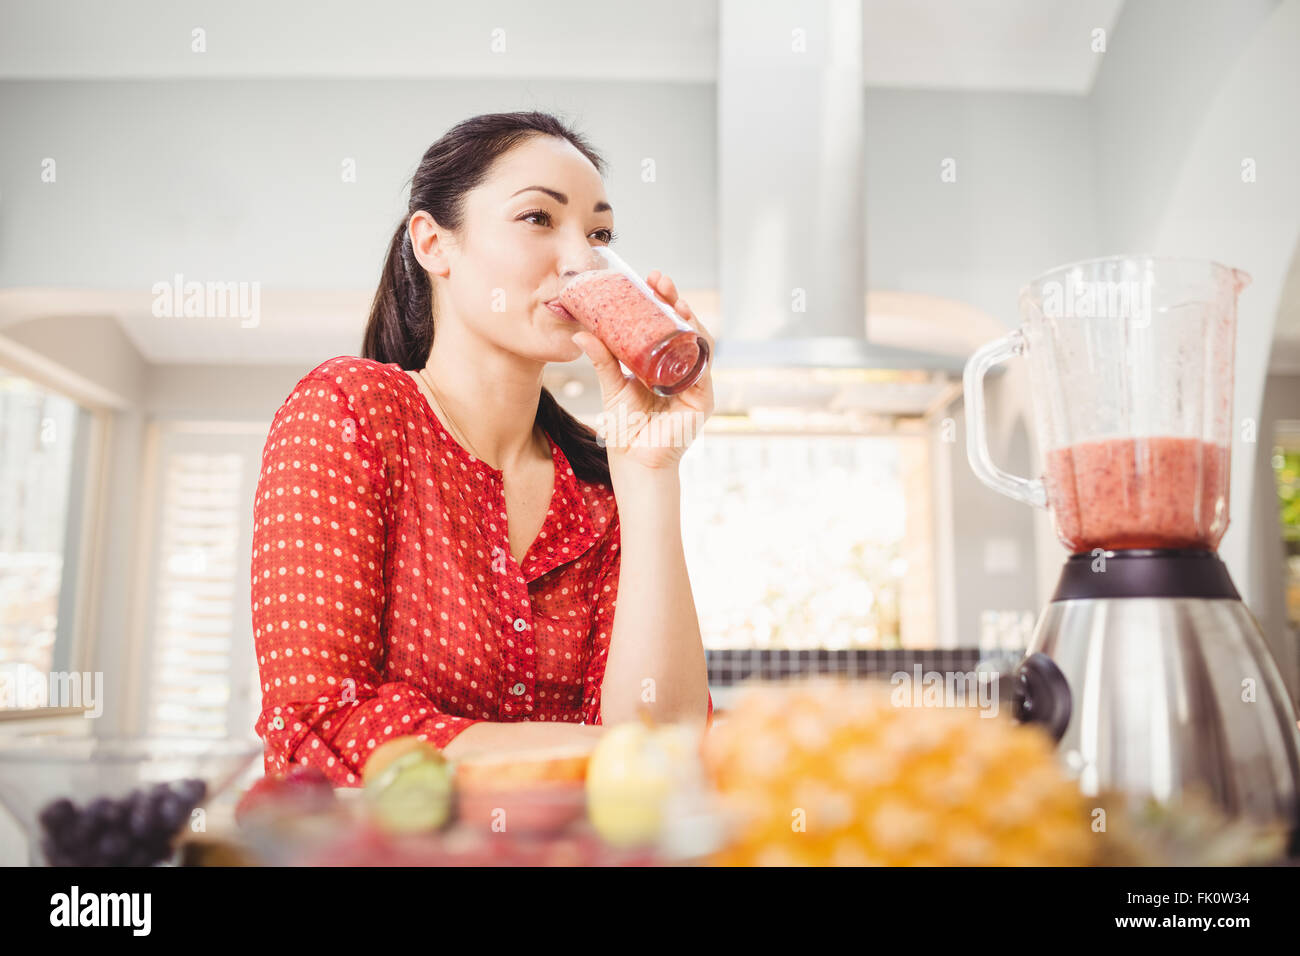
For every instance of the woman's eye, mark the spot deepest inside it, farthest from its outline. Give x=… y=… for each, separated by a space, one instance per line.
x=607 y=235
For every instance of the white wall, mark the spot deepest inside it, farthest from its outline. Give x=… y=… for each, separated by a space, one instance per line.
x=1021 y=202
x=1193 y=90
x=241 y=180
x=1165 y=61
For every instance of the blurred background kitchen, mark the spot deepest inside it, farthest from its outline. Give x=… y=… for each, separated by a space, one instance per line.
x=921 y=167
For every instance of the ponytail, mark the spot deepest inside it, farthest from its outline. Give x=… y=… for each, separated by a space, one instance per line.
x=588 y=457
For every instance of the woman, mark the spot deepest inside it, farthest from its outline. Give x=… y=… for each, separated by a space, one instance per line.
x=391 y=594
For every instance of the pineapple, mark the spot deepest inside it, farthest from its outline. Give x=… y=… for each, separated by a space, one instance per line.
x=830 y=772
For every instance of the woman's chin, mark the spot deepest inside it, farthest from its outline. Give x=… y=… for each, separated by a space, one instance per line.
x=566 y=357
x=564 y=348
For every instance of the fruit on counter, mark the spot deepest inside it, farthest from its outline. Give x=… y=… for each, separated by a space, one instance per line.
x=831 y=772
x=134 y=830
x=534 y=792
x=303 y=790
x=407 y=784
x=636 y=769
x=367 y=845
x=523 y=768
x=282 y=815
x=390 y=750
x=1190 y=831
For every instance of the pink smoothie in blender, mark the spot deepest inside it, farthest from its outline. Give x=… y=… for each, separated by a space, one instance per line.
x=643 y=332
x=1139 y=492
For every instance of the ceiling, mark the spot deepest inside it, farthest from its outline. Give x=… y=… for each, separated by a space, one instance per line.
x=1022 y=45
x=1042 y=46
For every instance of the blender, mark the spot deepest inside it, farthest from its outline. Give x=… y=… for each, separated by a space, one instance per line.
x=1146 y=666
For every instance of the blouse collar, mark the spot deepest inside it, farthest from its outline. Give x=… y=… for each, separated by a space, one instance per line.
x=575 y=520
x=572 y=525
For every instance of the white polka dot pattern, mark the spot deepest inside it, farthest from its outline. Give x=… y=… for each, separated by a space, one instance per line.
x=385 y=599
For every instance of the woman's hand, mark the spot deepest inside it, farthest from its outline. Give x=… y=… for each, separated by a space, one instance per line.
x=637 y=425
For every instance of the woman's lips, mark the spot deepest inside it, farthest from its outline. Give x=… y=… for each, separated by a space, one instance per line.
x=561 y=311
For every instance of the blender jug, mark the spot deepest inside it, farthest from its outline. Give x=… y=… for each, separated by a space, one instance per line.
x=1130 y=365
x=1146 y=666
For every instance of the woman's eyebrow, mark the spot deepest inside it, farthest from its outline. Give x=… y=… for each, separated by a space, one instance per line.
x=561 y=198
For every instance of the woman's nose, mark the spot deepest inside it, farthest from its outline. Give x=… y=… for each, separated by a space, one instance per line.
x=576 y=257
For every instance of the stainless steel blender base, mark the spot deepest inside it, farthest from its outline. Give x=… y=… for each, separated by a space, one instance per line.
x=1169 y=696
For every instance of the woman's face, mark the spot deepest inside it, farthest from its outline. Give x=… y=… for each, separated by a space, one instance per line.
x=519 y=244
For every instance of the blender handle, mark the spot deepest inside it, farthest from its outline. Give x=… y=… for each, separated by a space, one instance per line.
x=1028 y=490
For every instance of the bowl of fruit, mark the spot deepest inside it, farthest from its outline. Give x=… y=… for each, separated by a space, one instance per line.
x=282 y=817
x=632 y=798
x=86 y=800
x=533 y=792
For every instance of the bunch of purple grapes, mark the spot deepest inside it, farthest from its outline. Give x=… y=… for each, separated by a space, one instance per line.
x=134 y=830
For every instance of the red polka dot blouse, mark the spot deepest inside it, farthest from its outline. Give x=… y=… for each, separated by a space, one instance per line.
x=385 y=599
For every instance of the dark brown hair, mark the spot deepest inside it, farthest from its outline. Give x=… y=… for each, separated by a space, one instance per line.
x=401 y=324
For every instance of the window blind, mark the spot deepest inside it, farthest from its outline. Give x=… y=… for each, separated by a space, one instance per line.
x=196 y=595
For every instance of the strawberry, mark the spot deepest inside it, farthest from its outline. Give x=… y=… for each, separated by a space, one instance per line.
x=257 y=796
x=303 y=790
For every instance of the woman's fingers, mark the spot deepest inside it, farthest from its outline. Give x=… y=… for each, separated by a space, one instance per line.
x=668 y=290
x=694 y=322
x=608 y=373
x=662 y=285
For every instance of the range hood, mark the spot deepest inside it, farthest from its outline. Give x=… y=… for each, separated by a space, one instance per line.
x=792 y=221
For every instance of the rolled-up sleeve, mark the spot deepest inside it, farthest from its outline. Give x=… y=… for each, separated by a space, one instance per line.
x=321 y=517
x=604 y=601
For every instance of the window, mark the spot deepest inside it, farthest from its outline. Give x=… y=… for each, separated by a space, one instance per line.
x=201 y=622
x=45 y=470
x=1286 y=468
x=798 y=541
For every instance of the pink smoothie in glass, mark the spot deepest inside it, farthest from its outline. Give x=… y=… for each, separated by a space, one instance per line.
x=660 y=351
x=1157 y=492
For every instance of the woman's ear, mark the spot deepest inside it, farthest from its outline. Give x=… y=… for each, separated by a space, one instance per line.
x=428 y=243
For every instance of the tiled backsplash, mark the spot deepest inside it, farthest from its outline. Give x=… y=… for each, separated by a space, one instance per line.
x=730 y=667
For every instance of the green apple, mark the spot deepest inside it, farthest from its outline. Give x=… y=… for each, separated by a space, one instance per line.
x=412 y=793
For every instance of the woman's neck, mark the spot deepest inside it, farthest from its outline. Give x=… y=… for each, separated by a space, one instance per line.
x=491 y=396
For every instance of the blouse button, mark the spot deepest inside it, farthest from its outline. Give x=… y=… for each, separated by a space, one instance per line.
x=520 y=624
x=517 y=689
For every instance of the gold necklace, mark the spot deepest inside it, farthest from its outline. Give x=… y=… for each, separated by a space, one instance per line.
x=450 y=421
